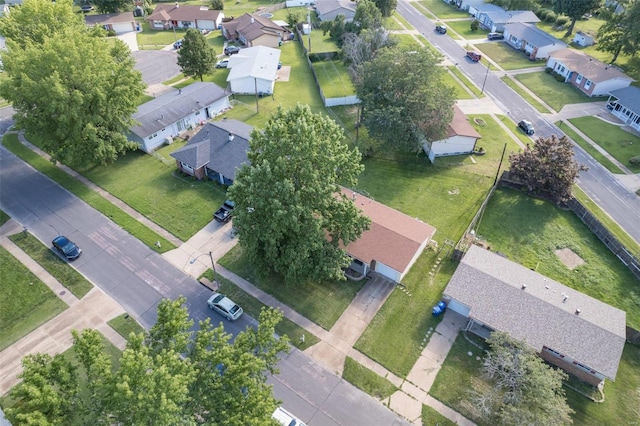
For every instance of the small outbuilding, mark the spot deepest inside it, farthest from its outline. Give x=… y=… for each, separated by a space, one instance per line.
x=461 y=138
x=583 y=39
x=254 y=70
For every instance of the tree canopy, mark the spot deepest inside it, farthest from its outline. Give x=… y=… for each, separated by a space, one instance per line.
x=196 y=57
x=575 y=9
x=386 y=7
x=620 y=33
x=290 y=215
x=524 y=390
x=70 y=88
x=402 y=108
x=166 y=376
x=548 y=167
x=111 y=6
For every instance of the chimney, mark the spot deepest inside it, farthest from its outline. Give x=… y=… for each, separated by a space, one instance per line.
x=524 y=286
x=252 y=20
x=231 y=136
x=578 y=311
x=177 y=5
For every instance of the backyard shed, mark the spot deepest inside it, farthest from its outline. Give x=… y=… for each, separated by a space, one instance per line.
x=254 y=70
x=461 y=138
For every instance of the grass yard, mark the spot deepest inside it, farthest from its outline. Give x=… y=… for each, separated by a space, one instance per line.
x=525 y=95
x=554 y=93
x=149 y=39
x=397 y=22
x=218 y=77
x=181 y=205
x=459 y=89
x=507 y=57
x=524 y=139
x=475 y=89
x=409 y=42
x=621 y=144
x=26 y=302
x=463 y=28
x=366 y=380
x=128 y=223
x=53 y=264
x=597 y=155
x=529 y=231
x=124 y=325
x=431 y=417
x=334 y=79
x=322 y=303
x=4 y=218
x=610 y=224
x=320 y=43
x=443 y=10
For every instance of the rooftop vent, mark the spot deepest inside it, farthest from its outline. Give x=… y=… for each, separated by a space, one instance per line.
x=564 y=298
x=578 y=311
x=524 y=286
x=231 y=136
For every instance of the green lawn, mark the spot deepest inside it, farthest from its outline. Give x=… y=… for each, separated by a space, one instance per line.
x=320 y=43
x=464 y=29
x=26 y=302
x=599 y=157
x=149 y=39
x=554 y=93
x=443 y=10
x=461 y=372
x=322 y=303
x=507 y=57
x=606 y=220
x=529 y=231
x=525 y=95
x=334 y=79
x=397 y=22
x=460 y=92
x=408 y=42
x=621 y=144
x=366 y=380
x=52 y=263
x=128 y=223
x=516 y=131
x=124 y=325
x=4 y=218
x=431 y=417
x=181 y=205
x=475 y=89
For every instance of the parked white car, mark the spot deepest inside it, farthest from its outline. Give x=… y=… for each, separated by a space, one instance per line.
x=224 y=306
x=285 y=418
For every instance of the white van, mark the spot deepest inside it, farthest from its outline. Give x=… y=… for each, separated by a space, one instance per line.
x=285 y=418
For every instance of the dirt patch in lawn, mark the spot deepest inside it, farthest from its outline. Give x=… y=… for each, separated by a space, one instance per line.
x=283 y=73
x=570 y=259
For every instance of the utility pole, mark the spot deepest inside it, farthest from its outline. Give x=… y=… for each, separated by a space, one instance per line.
x=500 y=165
x=485 y=77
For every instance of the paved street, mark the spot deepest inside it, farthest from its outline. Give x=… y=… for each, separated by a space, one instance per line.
x=621 y=204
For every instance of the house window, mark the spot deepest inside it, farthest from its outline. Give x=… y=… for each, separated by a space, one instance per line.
x=187 y=168
x=198 y=112
x=562 y=68
x=578 y=79
x=587 y=85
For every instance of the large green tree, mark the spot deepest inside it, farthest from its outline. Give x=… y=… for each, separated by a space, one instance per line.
x=548 y=168
x=112 y=6
x=402 y=108
x=70 y=88
x=620 y=32
x=290 y=214
x=167 y=376
x=196 y=57
x=386 y=7
x=575 y=9
x=367 y=16
x=524 y=390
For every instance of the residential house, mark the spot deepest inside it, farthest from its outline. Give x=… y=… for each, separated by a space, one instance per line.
x=496 y=20
x=167 y=116
x=461 y=138
x=216 y=151
x=393 y=242
x=299 y=3
x=254 y=70
x=118 y=22
x=534 y=42
x=253 y=30
x=569 y=329
x=327 y=10
x=168 y=16
x=466 y=4
x=589 y=75
x=583 y=39
x=625 y=104
x=481 y=7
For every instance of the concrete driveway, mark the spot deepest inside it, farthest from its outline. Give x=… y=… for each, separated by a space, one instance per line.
x=130 y=39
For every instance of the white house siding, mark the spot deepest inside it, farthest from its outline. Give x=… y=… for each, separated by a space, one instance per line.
x=388 y=272
x=268 y=40
x=544 y=51
x=247 y=86
x=558 y=67
x=123 y=27
x=628 y=116
x=455 y=145
x=604 y=87
x=459 y=308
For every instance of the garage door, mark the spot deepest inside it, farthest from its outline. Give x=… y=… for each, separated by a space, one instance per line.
x=458 y=307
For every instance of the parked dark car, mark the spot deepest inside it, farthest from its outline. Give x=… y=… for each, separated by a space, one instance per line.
x=526 y=127
x=495 y=36
x=66 y=247
x=224 y=213
x=231 y=50
x=441 y=29
x=474 y=56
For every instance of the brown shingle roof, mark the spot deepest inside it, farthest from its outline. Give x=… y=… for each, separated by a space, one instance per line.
x=393 y=237
x=109 y=18
x=252 y=29
x=183 y=12
x=460 y=125
x=587 y=66
x=492 y=286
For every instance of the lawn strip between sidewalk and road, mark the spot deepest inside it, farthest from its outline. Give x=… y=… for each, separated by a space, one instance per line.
x=597 y=155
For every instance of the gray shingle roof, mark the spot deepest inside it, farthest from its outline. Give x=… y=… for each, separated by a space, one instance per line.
x=211 y=147
x=492 y=287
x=167 y=109
x=628 y=97
x=503 y=17
x=531 y=34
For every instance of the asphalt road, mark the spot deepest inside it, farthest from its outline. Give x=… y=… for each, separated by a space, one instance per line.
x=138 y=278
x=156 y=66
x=621 y=204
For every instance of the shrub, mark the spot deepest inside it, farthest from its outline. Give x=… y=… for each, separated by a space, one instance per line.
x=475 y=24
x=550 y=18
x=111 y=33
x=559 y=77
x=561 y=21
x=635 y=160
x=217 y=4
x=542 y=13
x=548 y=70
